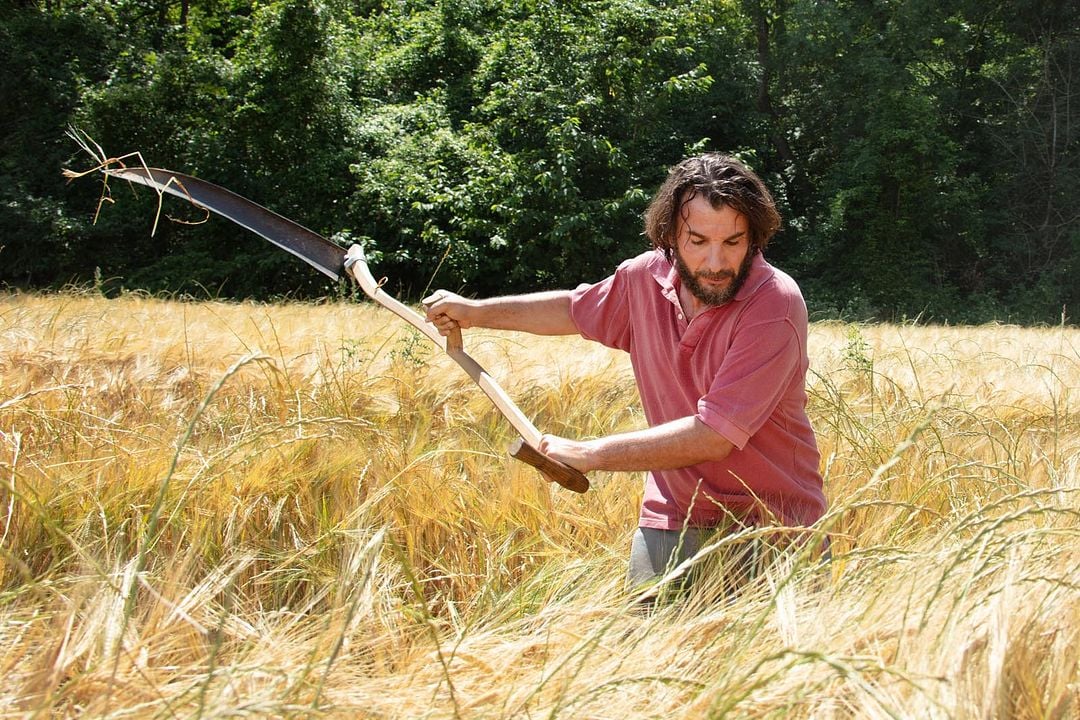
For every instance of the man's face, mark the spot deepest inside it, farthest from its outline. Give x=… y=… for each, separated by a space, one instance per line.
x=712 y=251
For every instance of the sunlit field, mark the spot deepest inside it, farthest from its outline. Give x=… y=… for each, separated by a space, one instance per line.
x=303 y=510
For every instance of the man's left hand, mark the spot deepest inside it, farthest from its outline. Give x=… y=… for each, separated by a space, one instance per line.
x=569 y=452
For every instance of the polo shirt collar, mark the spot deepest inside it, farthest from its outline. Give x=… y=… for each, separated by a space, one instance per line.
x=759 y=273
x=665 y=274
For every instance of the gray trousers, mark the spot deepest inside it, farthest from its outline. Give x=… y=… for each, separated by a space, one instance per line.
x=654 y=553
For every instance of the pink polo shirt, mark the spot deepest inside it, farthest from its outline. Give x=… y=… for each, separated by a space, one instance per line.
x=740 y=368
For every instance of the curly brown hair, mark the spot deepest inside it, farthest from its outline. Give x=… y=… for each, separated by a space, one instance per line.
x=723 y=180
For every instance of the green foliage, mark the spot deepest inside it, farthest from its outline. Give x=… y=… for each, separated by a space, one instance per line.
x=543 y=180
x=49 y=61
x=907 y=122
x=925 y=154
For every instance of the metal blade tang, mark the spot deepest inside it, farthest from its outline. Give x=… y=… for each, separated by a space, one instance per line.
x=309 y=246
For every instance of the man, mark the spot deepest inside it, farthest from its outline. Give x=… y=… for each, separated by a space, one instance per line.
x=717 y=341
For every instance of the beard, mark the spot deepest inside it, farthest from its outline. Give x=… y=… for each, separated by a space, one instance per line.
x=692 y=280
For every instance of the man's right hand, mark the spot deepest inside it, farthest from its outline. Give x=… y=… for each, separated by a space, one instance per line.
x=447 y=310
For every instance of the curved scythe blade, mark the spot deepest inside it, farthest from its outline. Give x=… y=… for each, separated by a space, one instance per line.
x=309 y=246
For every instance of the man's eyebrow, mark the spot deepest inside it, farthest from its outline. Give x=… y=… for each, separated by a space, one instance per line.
x=695 y=233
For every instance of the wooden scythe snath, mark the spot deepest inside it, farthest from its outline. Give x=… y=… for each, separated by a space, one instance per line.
x=332 y=260
x=525 y=447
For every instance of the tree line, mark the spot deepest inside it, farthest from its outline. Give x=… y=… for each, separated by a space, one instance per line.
x=925 y=153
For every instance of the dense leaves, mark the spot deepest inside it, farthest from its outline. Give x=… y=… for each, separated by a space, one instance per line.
x=925 y=154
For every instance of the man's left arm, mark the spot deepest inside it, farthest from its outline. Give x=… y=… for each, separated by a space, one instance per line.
x=740 y=400
x=679 y=443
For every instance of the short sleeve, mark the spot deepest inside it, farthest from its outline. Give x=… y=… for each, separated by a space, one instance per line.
x=752 y=380
x=601 y=311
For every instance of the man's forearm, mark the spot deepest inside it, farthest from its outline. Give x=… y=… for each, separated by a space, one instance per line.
x=542 y=313
x=679 y=443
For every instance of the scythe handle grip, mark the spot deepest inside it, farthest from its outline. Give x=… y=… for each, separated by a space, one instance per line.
x=553 y=470
x=453 y=340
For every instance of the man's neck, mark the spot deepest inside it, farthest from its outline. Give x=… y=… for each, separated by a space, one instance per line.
x=690 y=304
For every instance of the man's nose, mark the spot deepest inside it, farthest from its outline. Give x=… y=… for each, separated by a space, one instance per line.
x=716 y=257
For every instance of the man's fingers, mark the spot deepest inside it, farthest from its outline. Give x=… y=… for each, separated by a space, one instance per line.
x=566 y=451
x=445 y=311
x=444 y=324
x=433 y=298
x=429 y=306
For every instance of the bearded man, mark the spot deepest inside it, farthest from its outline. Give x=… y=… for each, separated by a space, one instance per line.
x=717 y=341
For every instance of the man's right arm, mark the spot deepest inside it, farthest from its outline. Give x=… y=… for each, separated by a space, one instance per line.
x=542 y=313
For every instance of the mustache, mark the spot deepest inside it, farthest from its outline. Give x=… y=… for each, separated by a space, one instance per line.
x=717 y=275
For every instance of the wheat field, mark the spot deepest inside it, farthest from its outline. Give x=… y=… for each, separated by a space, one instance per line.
x=217 y=509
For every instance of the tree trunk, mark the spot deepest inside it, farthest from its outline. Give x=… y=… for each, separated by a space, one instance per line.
x=797 y=189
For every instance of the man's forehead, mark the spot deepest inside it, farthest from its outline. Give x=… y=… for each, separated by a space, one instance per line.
x=699 y=214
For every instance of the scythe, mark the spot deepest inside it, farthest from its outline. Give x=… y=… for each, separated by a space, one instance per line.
x=333 y=261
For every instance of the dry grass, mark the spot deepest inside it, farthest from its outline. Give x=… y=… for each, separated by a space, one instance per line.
x=213 y=509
